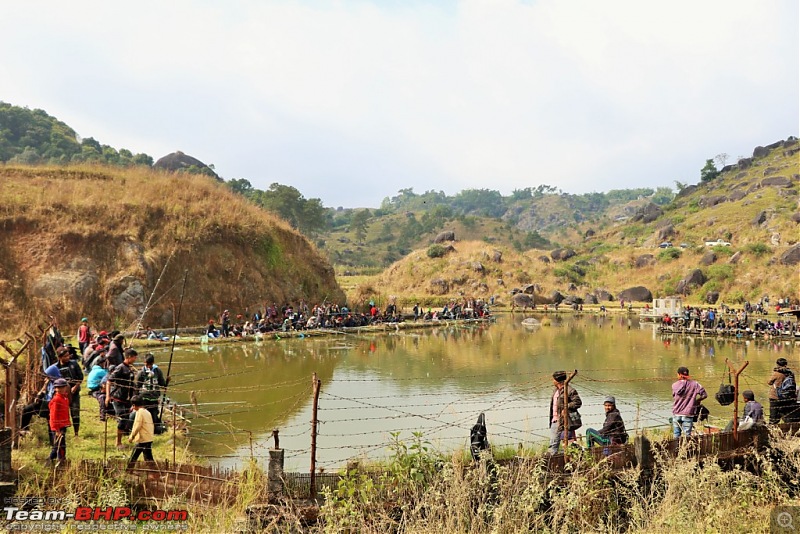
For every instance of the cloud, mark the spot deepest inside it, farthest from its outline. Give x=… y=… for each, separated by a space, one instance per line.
x=351 y=101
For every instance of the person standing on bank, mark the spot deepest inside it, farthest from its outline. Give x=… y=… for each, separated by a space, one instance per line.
x=59 y=420
x=150 y=383
x=556 y=414
x=687 y=394
x=613 y=431
x=120 y=388
x=84 y=335
x=782 y=394
x=142 y=431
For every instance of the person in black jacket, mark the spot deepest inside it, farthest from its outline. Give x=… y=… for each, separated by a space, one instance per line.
x=613 y=431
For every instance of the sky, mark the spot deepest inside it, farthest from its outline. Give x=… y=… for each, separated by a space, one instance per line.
x=351 y=101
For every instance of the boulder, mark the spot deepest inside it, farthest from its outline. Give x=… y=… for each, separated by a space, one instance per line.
x=590 y=299
x=791 y=256
x=738 y=194
x=588 y=233
x=561 y=254
x=712 y=297
x=521 y=300
x=712 y=200
x=500 y=282
x=572 y=287
x=556 y=297
x=180 y=162
x=445 y=236
x=603 y=295
x=648 y=213
x=636 y=294
x=694 y=279
x=736 y=257
x=573 y=299
x=544 y=259
x=688 y=190
x=796 y=217
x=776 y=181
x=77 y=286
x=645 y=260
x=477 y=266
x=127 y=297
x=744 y=163
x=497 y=256
x=665 y=232
x=439 y=286
x=760 y=152
x=708 y=258
x=775 y=239
x=532 y=289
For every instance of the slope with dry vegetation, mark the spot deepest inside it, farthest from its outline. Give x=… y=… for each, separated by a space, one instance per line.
x=101 y=241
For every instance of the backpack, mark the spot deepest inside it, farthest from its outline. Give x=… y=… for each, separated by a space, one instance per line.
x=478 y=440
x=726 y=394
x=788 y=389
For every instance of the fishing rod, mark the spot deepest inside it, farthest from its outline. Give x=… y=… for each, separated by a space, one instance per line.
x=147 y=306
x=174 y=335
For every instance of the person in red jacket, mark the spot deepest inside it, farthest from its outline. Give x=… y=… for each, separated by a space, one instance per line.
x=59 y=420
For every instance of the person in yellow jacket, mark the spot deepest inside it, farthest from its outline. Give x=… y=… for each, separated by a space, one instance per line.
x=142 y=431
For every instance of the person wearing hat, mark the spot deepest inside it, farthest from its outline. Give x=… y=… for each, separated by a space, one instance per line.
x=84 y=335
x=782 y=408
x=687 y=394
x=613 y=431
x=556 y=413
x=59 y=420
x=142 y=431
x=70 y=371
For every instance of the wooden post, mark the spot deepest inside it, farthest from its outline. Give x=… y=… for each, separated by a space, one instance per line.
x=10 y=397
x=565 y=394
x=174 y=434
x=315 y=383
x=736 y=397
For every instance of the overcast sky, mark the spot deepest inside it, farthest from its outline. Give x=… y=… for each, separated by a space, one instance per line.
x=351 y=101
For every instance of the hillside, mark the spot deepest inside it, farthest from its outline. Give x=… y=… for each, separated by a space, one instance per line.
x=94 y=241
x=753 y=205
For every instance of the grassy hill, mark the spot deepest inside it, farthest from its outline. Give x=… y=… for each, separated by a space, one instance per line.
x=95 y=240
x=753 y=205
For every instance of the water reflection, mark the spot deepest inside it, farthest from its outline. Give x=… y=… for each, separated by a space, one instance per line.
x=439 y=380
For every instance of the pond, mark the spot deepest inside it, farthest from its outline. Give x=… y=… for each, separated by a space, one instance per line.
x=437 y=381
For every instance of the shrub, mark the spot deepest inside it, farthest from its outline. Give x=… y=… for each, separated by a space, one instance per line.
x=736 y=297
x=758 y=249
x=436 y=251
x=720 y=272
x=669 y=254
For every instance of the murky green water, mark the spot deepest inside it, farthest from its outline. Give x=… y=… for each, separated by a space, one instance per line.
x=438 y=381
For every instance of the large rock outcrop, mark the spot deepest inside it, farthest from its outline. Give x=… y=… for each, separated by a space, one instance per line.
x=636 y=294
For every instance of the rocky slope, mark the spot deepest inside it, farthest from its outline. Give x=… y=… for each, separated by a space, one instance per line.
x=103 y=242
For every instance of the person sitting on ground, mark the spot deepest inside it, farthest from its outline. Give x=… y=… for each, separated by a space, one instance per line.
x=753 y=413
x=613 y=431
x=211 y=330
x=142 y=432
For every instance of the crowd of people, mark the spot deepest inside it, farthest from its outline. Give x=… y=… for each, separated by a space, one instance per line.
x=291 y=317
x=687 y=408
x=130 y=394
x=729 y=321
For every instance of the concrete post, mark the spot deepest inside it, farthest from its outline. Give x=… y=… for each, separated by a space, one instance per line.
x=275 y=476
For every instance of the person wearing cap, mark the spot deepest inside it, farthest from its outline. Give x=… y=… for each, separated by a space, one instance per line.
x=84 y=334
x=70 y=371
x=785 y=409
x=150 y=383
x=613 y=431
x=40 y=404
x=59 y=420
x=142 y=431
x=120 y=388
x=687 y=394
x=556 y=413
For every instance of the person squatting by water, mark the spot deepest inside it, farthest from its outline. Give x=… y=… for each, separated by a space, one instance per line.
x=687 y=394
x=557 y=424
x=613 y=431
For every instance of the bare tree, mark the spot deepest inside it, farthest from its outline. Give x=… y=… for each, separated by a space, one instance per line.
x=721 y=159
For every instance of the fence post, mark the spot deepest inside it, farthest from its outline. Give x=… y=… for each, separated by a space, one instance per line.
x=315 y=383
x=736 y=374
x=641 y=447
x=565 y=394
x=275 y=475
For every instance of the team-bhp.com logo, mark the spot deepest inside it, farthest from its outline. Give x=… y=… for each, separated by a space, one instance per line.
x=23 y=518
